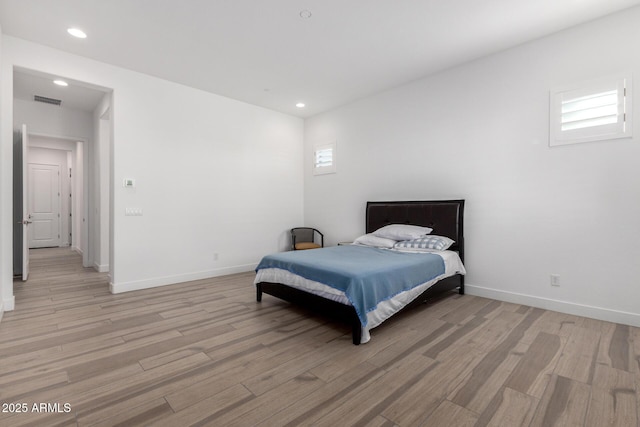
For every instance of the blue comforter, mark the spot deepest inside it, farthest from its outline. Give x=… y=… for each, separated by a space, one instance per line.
x=366 y=275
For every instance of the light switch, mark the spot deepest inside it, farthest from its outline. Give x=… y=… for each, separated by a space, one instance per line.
x=129 y=183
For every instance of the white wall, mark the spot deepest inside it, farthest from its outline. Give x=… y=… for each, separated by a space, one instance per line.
x=213 y=175
x=480 y=132
x=51 y=120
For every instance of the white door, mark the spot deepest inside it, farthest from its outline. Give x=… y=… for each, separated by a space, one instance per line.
x=44 y=205
x=25 y=208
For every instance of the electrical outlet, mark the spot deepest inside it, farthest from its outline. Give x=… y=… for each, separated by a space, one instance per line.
x=555 y=280
x=215 y=256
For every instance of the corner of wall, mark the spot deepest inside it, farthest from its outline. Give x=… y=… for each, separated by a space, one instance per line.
x=8 y=304
x=101 y=268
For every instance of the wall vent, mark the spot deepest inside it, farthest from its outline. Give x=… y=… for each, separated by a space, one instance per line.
x=46 y=100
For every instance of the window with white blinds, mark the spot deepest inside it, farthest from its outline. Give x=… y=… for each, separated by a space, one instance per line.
x=594 y=111
x=324 y=159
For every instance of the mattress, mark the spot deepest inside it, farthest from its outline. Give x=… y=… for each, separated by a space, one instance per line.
x=384 y=309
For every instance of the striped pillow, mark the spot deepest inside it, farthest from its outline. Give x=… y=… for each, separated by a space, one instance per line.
x=430 y=242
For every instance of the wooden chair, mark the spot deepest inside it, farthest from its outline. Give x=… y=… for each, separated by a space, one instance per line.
x=305 y=238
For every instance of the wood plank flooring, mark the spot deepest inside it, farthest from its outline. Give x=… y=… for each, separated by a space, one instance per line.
x=205 y=353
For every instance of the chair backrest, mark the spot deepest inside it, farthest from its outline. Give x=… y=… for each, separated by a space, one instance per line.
x=303 y=234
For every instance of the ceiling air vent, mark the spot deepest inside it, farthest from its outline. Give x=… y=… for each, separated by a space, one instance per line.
x=46 y=100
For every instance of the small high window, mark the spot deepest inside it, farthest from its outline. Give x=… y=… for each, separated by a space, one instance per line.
x=324 y=159
x=593 y=111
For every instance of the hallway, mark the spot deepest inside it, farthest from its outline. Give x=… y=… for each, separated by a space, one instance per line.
x=57 y=274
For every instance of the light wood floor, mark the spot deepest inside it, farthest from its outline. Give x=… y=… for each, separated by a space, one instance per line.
x=205 y=353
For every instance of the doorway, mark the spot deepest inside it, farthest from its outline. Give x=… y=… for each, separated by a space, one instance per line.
x=54 y=180
x=65 y=154
x=49 y=176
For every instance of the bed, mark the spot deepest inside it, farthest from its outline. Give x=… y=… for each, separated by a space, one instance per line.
x=321 y=279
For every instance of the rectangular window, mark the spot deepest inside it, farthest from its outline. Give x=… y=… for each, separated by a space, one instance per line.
x=324 y=159
x=593 y=111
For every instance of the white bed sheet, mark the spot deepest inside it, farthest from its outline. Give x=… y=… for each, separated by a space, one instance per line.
x=384 y=310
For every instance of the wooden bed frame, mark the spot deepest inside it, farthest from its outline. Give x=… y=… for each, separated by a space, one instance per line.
x=444 y=216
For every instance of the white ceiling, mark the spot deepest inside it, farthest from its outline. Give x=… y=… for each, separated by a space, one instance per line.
x=264 y=53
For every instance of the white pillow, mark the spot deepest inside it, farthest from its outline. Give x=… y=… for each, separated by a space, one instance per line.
x=402 y=231
x=371 y=240
x=425 y=243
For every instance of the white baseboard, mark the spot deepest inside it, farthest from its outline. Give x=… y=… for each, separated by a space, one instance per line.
x=104 y=268
x=77 y=249
x=7 y=305
x=136 y=285
x=626 y=318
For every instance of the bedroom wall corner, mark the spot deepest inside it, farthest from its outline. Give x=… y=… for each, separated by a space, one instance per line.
x=217 y=194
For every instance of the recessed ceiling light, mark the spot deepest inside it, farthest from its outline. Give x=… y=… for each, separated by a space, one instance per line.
x=305 y=14
x=75 y=32
x=300 y=105
x=61 y=83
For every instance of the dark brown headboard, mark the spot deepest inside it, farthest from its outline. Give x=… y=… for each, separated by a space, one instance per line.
x=444 y=216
